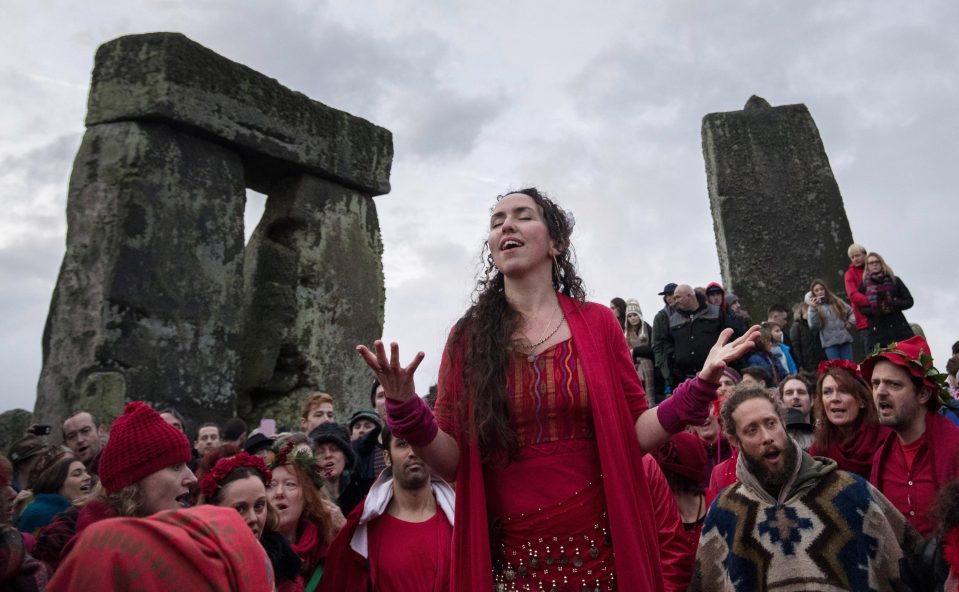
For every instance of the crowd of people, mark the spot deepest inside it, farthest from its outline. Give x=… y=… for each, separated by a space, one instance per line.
x=568 y=449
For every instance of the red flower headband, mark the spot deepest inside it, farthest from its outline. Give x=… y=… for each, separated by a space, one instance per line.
x=846 y=365
x=213 y=480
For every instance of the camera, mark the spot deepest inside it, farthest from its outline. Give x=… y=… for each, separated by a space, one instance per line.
x=40 y=430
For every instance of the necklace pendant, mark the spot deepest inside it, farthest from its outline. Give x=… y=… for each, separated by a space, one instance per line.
x=531 y=358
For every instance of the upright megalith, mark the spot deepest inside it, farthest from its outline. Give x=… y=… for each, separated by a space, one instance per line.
x=777 y=211
x=314 y=286
x=158 y=298
x=146 y=305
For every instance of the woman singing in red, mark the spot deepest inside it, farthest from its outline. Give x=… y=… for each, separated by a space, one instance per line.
x=541 y=419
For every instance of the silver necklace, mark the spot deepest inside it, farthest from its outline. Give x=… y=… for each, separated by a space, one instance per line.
x=529 y=348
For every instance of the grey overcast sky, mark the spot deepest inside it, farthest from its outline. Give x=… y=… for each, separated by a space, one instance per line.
x=598 y=103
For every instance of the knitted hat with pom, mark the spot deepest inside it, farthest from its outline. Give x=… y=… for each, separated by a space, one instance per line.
x=140 y=444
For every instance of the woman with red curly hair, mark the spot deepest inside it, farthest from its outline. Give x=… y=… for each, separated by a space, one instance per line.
x=847 y=426
x=304 y=516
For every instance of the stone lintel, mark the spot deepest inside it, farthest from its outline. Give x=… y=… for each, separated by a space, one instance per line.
x=168 y=77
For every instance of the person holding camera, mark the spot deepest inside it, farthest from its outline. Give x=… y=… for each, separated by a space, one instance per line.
x=833 y=318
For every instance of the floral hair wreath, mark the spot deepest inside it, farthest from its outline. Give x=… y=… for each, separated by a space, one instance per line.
x=924 y=365
x=288 y=456
x=213 y=480
x=846 y=365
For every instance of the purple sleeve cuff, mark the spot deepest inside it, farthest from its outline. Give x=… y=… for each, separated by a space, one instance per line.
x=412 y=420
x=688 y=405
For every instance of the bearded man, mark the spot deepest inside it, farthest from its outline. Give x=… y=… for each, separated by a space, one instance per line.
x=399 y=537
x=793 y=521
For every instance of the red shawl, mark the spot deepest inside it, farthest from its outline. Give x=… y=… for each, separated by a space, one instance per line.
x=856 y=452
x=609 y=376
x=198 y=549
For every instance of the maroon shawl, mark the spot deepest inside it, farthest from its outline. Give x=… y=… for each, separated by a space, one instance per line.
x=856 y=452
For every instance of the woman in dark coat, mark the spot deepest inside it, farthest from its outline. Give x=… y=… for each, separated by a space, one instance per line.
x=888 y=296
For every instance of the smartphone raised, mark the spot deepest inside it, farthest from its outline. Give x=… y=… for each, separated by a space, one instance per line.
x=268 y=427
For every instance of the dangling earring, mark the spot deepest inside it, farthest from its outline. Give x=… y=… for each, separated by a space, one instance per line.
x=557 y=278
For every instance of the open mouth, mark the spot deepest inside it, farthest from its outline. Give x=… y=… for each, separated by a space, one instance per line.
x=86 y=487
x=184 y=500
x=773 y=455
x=510 y=243
x=280 y=506
x=885 y=406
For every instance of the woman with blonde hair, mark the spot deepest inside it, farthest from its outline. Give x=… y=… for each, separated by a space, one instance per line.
x=833 y=319
x=888 y=296
x=143 y=470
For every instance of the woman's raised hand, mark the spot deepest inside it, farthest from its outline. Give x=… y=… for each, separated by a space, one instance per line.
x=397 y=381
x=724 y=352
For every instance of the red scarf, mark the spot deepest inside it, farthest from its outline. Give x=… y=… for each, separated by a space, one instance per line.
x=856 y=452
x=609 y=371
x=309 y=547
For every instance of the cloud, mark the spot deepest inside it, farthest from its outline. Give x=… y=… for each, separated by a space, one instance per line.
x=600 y=106
x=28 y=269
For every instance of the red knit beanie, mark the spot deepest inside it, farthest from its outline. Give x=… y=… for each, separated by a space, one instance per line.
x=140 y=444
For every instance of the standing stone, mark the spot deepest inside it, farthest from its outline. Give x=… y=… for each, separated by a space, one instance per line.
x=777 y=211
x=314 y=285
x=153 y=301
x=147 y=303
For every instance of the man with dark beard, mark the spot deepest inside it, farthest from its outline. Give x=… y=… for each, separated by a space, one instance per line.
x=793 y=521
x=923 y=455
x=399 y=537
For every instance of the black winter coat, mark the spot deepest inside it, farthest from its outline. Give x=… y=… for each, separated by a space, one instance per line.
x=888 y=327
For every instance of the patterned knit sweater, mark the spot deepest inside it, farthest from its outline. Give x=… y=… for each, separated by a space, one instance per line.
x=828 y=530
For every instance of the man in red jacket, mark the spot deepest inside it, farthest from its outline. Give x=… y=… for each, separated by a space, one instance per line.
x=853 y=279
x=921 y=458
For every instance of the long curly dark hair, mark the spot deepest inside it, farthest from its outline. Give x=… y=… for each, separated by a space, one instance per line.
x=486 y=333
